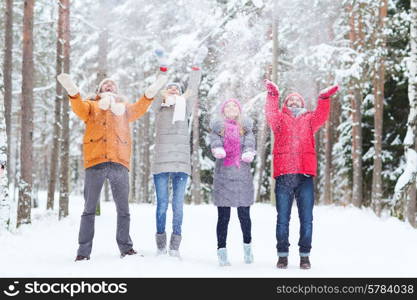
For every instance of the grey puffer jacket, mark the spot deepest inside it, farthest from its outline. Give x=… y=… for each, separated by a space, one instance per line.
x=233 y=186
x=172 y=142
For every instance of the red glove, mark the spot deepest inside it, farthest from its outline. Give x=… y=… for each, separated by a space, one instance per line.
x=271 y=88
x=330 y=91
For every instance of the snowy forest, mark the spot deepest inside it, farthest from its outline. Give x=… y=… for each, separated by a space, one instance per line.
x=366 y=151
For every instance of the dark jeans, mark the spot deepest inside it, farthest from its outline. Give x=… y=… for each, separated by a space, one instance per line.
x=301 y=187
x=118 y=176
x=223 y=222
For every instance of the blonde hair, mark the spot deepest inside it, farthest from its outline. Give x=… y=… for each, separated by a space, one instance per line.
x=238 y=121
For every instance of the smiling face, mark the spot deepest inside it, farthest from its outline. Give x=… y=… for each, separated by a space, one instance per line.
x=294 y=102
x=231 y=110
x=108 y=87
x=173 y=90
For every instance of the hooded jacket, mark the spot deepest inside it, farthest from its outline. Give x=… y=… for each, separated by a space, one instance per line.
x=294 y=147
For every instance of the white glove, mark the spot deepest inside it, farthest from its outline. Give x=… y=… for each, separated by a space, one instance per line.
x=218 y=152
x=248 y=156
x=105 y=101
x=118 y=108
x=154 y=88
x=66 y=81
x=200 y=56
x=108 y=100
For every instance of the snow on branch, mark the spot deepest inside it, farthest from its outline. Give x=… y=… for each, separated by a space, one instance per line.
x=409 y=172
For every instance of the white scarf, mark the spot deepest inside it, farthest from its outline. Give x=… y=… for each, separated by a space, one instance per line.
x=108 y=100
x=179 y=109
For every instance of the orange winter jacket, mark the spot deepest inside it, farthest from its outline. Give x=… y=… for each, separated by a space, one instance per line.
x=107 y=136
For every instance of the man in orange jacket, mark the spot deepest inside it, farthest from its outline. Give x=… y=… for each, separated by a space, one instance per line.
x=107 y=150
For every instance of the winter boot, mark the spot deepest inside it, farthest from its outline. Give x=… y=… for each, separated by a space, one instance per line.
x=81 y=257
x=248 y=254
x=161 y=243
x=174 y=245
x=222 y=256
x=282 y=262
x=305 y=263
x=129 y=252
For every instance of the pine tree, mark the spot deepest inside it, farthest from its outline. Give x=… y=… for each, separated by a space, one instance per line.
x=64 y=15
x=26 y=146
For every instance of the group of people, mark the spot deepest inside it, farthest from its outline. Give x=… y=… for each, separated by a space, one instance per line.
x=107 y=152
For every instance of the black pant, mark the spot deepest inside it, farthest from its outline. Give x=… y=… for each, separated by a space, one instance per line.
x=223 y=222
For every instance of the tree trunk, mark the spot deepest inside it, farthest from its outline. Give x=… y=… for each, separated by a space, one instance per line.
x=357 y=189
x=59 y=99
x=356 y=115
x=133 y=166
x=412 y=205
x=140 y=164
x=145 y=158
x=328 y=144
x=196 y=193
x=409 y=175
x=7 y=75
x=4 y=179
x=64 y=11
x=379 y=111
x=274 y=78
x=26 y=144
x=260 y=143
x=102 y=72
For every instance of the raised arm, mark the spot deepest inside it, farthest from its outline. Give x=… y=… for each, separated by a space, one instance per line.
x=272 y=111
x=80 y=108
x=321 y=113
x=156 y=103
x=192 y=90
x=140 y=107
x=195 y=78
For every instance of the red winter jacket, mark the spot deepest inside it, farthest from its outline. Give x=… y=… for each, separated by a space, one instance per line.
x=294 y=150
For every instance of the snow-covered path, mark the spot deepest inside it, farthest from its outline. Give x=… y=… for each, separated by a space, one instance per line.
x=347 y=242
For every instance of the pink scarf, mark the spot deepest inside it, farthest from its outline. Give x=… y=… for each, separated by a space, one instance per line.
x=231 y=143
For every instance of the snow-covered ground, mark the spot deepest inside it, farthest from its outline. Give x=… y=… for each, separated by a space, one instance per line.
x=347 y=242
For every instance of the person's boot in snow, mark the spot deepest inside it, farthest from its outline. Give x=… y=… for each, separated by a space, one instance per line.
x=282 y=262
x=248 y=254
x=81 y=257
x=161 y=243
x=174 y=245
x=129 y=252
x=305 y=263
x=222 y=256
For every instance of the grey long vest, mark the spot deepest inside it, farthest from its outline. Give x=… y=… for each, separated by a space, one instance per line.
x=172 y=142
x=232 y=185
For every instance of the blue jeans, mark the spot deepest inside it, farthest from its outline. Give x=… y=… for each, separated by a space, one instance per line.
x=301 y=187
x=179 y=183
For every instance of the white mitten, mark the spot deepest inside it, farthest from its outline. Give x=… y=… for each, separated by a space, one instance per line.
x=66 y=81
x=118 y=108
x=248 y=156
x=170 y=100
x=219 y=152
x=154 y=88
x=106 y=99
